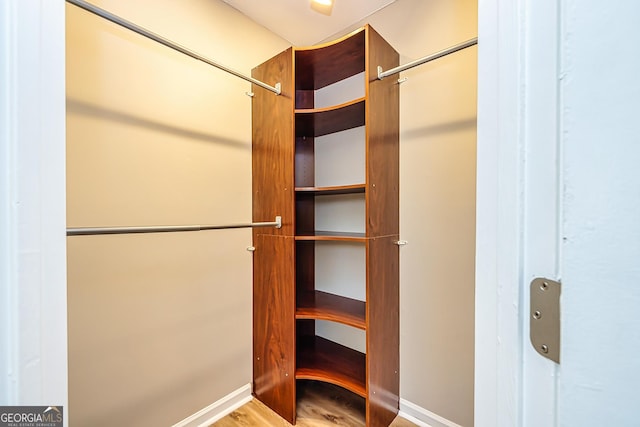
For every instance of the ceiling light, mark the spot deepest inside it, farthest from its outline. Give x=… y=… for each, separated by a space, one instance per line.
x=322 y=6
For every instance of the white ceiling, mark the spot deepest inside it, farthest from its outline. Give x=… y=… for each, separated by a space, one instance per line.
x=294 y=20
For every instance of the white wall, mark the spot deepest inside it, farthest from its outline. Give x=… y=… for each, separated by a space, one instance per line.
x=159 y=324
x=600 y=100
x=33 y=331
x=437 y=205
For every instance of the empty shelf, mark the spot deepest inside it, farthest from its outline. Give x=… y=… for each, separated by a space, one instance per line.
x=324 y=360
x=323 y=121
x=326 y=306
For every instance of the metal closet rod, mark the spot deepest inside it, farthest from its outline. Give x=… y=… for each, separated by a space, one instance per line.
x=445 y=52
x=148 y=34
x=166 y=229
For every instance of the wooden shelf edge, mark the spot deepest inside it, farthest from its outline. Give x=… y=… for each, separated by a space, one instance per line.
x=331 y=108
x=332 y=42
x=323 y=360
x=335 y=189
x=307 y=374
x=335 y=308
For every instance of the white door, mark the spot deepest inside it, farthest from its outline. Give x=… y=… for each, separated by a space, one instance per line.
x=33 y=297
x=558 y=197
x=517 y=208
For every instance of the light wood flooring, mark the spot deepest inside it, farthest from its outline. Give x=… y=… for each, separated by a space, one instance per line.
x=319 y=405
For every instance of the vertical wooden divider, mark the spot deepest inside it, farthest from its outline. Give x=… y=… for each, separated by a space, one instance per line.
x=383 y=200
x=274 y=296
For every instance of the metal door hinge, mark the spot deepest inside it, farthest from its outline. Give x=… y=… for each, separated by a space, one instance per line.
x=544 y=319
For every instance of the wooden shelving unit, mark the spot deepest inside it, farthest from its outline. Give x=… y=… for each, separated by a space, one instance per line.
x=289 y=296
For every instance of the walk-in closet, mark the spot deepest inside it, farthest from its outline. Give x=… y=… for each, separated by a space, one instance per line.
x=247 y=213
x=353 y=213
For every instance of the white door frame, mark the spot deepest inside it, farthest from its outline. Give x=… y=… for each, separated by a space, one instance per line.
x=33 y=286
x=517 y=206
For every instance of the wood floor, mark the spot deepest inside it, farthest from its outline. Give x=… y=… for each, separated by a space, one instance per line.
x=319 y=405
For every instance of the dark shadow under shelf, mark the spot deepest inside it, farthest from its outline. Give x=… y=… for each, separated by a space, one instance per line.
x=336 y=189
x=326 y=306
x=323 y=121
x=324 y=360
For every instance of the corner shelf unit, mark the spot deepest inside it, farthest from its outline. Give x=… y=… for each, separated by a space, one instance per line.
x=293 y=135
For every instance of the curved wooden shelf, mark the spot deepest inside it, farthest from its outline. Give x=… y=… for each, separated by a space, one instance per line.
x=335 y=236
x=323 y=121
x=331 y=108
x=321 y=65
x=323 y=360
x=336 y=189
x=325 y=306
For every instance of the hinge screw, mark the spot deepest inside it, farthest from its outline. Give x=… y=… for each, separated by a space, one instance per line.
x=544 y=348
x=537 y=315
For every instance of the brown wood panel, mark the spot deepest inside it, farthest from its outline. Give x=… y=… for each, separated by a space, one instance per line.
x=304 y=328
x=383 y=331
x=322 y=65
x=324 y=360
x=305 y=267
x=323 y=121
x=305 y=98
x=335 y=308
x=305 y=213
x=274 y=323
x=273 y=145
x=305 y=161
x=383 y=149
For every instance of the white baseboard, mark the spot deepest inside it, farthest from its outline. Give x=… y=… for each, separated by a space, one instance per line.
x=422 y=417
x=218 y=409
x=232 y=401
